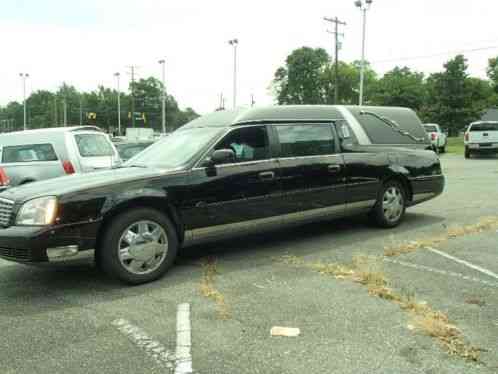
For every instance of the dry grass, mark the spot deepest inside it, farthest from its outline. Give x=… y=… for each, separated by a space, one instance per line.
x=484 y=224
x=368 y=271
x=208 y=290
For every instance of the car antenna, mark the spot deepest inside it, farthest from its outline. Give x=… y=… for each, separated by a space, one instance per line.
x=393 y=125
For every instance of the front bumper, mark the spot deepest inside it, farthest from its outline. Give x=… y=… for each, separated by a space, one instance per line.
x=28 y=244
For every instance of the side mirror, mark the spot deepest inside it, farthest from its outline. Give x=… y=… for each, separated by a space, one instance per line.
x=223 y=156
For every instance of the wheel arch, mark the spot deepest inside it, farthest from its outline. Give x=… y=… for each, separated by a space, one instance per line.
x=400 y=174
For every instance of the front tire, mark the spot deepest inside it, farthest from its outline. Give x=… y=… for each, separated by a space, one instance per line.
x=391 y=205
x=138 y=246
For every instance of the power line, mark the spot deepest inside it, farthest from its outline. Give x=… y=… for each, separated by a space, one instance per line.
x=440 y=54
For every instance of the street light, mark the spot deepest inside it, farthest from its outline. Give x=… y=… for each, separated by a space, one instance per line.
x=234 y=43
x=363 y=5
x=117 y=75
x=163 y=98
x=24 y=76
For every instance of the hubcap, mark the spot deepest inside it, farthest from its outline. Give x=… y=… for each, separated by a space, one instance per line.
x=392 y=204
x=142 y=247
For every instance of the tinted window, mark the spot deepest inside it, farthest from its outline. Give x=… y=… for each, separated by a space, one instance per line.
x=249 y=144
x=305 y=140
x=128 y=151
x=93 y=145
x=29 y=153
x=484 y=127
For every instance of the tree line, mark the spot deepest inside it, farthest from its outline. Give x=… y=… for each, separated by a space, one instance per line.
x=98 y=107
x=451 y=98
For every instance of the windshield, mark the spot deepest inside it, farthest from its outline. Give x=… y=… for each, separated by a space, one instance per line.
x=176 y=149
x=484 y=127
x=430 y=128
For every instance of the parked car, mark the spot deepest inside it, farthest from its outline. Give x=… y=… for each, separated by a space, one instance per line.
x=4 y=180
x=437 y=137
x=225 y=174
x=481 y=137
x=35 y=155
x=127 y=150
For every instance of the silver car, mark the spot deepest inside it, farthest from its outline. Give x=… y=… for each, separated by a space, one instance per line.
x=34 y=155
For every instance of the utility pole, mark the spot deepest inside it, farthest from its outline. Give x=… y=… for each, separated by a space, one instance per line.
x=56 y=120
x=81 y=111
x=65 y=112
x=234 y=43
x=117 y=75
x=336 y=33
x=132 y=73
x=364 y=6
x=24 y=76
x=163 y=96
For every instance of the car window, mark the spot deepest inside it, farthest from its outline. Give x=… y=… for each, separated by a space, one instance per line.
x=249 y=143
x=306 y=140
x=484 y=127
x=430 y=128
x=93 y=145
x=127 y=152
x=29 y=153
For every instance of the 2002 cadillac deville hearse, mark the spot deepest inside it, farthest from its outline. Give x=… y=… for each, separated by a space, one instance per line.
x=225 y=173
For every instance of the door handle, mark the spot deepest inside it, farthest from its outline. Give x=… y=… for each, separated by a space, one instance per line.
x=267 y=175
x=334 y=168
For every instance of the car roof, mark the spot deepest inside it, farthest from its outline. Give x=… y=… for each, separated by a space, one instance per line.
x=54 y=130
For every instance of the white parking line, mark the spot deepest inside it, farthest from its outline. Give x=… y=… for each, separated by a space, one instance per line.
x=442 y=272
x=183 y=340
x=152 y=348
x=463 y=262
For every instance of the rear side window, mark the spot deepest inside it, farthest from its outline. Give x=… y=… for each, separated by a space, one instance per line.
x=93 y=145
x=29 y=153
x=484 y=127
x=430 y=128
x=306 y=140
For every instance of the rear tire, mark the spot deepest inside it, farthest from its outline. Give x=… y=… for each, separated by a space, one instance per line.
x=390 y=208
x=442 y=149
x=138 y=246
x=467 y=153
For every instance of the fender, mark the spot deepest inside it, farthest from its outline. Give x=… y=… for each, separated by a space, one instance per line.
x=125 y=197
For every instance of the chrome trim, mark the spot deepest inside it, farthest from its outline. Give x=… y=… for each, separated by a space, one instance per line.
x=355 y=125
x=419 y=197
x=331 y=155
x=426 y=177
x=264 y=224
x=286 y=121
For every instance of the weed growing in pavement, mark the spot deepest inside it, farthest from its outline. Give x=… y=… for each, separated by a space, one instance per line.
x=367 y=270
x=208 y=290
x=484 y=224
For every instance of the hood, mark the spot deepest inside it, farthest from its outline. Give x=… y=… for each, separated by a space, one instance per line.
x=80 y=182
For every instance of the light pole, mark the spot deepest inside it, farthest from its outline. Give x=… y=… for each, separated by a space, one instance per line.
x=117 y=75
x=363 y=5
x=234 y=43
x=163 y=98
x=24 y=76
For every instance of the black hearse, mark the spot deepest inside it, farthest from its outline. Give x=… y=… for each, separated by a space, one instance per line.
x=222 y=174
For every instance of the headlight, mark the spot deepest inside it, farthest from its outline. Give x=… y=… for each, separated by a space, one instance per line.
x=38 y=212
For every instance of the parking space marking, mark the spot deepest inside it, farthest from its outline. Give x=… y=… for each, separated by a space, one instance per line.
x=463 y=262
x=152 y=348
x=183 y=340
x=442 y=272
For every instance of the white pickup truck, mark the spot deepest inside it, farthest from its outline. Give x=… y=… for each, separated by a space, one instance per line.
x=436 y=136
x=481 y=137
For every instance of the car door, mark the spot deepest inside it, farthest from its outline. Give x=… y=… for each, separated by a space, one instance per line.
x=238 y=196
x=312 y=172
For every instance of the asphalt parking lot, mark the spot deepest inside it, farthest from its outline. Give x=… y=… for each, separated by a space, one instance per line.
x=75 y=320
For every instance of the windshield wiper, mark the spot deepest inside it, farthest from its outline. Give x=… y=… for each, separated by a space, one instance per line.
x=393 y=125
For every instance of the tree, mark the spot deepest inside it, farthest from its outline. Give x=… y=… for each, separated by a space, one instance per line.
x=300 y=81
x=400 y=87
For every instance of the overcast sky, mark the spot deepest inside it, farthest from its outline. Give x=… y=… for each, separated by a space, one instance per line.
x=84 y=42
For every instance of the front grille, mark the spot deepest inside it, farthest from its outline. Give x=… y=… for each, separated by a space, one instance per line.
x=16 y=254
x=6 y=207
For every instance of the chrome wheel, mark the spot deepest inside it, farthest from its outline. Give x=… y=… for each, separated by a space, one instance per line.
x=142 y=248
x=393 y=204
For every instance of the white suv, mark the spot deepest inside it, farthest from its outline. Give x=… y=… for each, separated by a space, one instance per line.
x=481 y=137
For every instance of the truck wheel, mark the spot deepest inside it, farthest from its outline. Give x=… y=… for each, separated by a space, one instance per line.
x=139 y=246
x=391 y=205
x=467 y=153
x=442 y=149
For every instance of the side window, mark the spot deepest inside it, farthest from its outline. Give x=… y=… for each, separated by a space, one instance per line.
x=29 y=153
x=249 y=143
x=306 y=140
